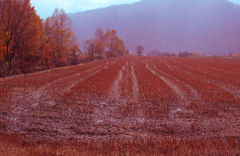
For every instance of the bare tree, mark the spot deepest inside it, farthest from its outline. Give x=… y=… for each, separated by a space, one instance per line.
x=139 y=49
x=90 y=47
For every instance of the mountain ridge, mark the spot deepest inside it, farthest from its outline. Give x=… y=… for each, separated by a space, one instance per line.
x=209 y=26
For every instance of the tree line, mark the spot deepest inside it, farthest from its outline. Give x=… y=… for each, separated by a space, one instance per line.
x=26 y=38
x=180 y=54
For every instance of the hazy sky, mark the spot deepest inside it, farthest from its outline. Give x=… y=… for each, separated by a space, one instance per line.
x=45 y=8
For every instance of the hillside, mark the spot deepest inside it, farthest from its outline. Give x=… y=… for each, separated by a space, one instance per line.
x=210 y=26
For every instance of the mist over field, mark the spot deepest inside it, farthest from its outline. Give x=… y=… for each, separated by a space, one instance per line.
x=208 y=26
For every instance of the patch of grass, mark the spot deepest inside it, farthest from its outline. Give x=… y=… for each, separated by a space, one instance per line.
x=153 y=146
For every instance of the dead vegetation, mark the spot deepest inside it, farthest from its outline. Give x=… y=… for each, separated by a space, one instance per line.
x=124 y=109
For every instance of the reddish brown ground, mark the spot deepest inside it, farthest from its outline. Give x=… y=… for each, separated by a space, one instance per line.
x=138 y=101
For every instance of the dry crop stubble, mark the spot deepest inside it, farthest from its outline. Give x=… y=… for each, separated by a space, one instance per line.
x=209 y=90
x=126 y=105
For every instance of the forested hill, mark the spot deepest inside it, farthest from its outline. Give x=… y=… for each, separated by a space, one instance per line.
x=210 y=26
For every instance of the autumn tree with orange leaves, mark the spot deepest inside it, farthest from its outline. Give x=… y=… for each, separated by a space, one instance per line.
x=110 y=38
x=99 y=39
x=46 y=41
x=114 y=45
x=20 y=33
x=1 y=49
x=58 y=40
x=61 y=33
x=1 y=45
x=106 y=43
x=46 y=52
x=74 y=50
x=120 y=48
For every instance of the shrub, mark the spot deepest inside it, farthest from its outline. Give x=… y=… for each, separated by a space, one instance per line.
x=58 y=62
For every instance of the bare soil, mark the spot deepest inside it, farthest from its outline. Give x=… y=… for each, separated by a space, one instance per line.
x=49 y=114
x=116 y=119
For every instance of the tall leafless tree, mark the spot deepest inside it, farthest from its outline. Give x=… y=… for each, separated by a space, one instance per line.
x=90 y=47
x=139 y=50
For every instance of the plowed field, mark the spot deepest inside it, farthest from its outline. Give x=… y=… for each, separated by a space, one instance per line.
x=125 y=98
